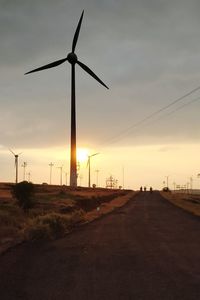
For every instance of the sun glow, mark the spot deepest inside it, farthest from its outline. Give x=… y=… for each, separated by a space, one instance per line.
x=82 y=154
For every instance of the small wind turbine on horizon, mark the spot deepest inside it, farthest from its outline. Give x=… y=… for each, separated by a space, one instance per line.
x=24 y=165
x=16 y=164
x=88 y=165
x=73 y=60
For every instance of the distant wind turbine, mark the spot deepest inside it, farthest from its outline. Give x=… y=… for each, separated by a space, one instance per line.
x=73 y=60
x=88 y=165
x=16 y=164
x=24 y=165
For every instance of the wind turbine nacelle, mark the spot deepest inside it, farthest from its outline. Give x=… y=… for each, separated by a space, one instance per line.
x=72 y=58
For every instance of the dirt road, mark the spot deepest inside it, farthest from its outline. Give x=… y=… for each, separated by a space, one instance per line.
x=147 y=250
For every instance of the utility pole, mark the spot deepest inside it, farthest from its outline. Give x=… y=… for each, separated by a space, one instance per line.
x=80 y=178
x=61 y=170
x=198 y=175
x=29 y=176
x=16 y=166
x=24 y=173
x=97 y=179
x=88 y=164
x=163 y=184
x=66 y=178
x=167 y=177
x=51 y=166
x=191 y=184
x=123 y=177
x=187 y=187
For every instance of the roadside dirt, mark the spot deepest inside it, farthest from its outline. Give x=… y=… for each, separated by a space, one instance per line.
x=188 y=202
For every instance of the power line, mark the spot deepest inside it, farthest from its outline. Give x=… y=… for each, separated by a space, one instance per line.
x=178 y=108
x=163 y=116
x=125 y=131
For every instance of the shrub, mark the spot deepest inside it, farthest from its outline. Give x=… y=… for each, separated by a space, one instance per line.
x=38 y=231
x=52 y=225
x=24 y=192
x=57 y=223
x=166 y=189
x=62 y=193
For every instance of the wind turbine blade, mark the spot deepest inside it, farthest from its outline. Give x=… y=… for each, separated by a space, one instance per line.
x=87 y=162
x=11 y=151
x=19 y=153
x=94 y=154
x=76 y=35
x=51 y=65
x=84 y=67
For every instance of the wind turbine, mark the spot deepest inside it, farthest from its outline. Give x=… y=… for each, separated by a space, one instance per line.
x=73 y=60
x=16 y=164
x=24 y=165
x=88 y=165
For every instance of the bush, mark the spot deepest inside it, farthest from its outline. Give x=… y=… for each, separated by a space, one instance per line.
x=24 y=192
x=52 y=225
x=38 y=231
x=166 y=189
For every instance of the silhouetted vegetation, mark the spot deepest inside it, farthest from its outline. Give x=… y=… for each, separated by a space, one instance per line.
x=52 y=225
x=52 y=210
x=93 y=202
x=23 y=192
x=166 y=189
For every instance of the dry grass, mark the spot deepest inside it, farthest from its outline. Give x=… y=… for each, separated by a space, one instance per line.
x=12 y=221
x=56 y=211
x=52 y=225
x=108 y=207
x=188 y=202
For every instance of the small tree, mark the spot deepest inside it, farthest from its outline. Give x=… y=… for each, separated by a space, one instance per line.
x=24 y=192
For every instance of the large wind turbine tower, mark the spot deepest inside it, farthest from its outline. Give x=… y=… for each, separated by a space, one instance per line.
x=73 y=60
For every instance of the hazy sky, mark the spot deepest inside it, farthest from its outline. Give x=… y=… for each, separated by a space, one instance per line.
x=146 y=51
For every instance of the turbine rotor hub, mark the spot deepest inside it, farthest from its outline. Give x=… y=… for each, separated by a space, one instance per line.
x=72 y=58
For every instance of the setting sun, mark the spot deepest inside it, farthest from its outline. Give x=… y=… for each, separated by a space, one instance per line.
x=82 y=154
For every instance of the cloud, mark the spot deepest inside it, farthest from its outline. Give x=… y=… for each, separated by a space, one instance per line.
x=146 y=51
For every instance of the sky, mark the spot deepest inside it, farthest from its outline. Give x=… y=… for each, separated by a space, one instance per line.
x=146 y=51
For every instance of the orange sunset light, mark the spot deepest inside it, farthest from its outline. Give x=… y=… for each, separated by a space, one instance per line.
x=82 y=154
